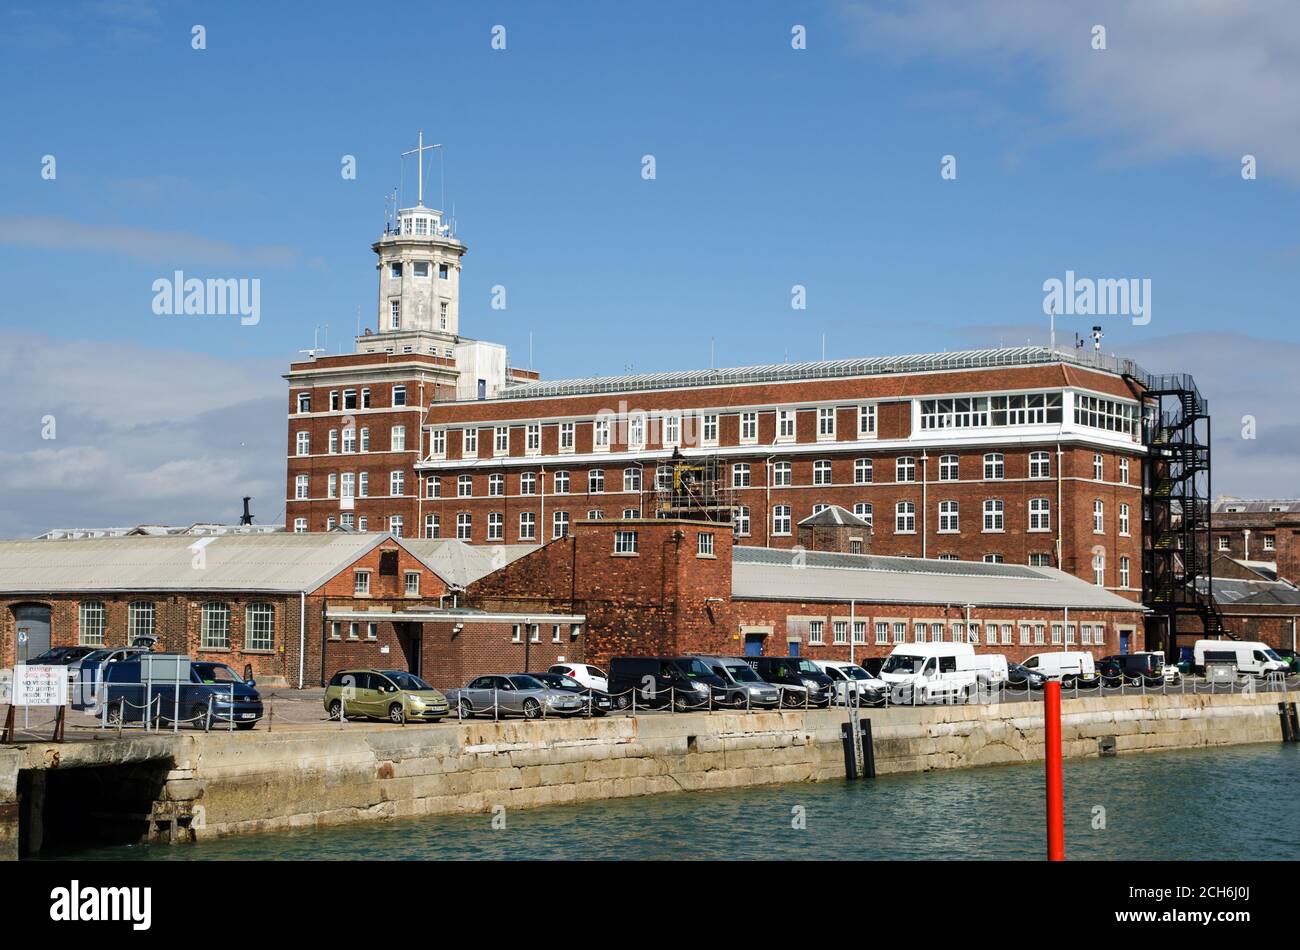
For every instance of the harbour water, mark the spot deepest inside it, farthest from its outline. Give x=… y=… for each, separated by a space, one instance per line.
x=1234 y=802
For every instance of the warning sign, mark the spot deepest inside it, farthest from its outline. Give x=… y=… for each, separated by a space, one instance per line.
x=40 y=686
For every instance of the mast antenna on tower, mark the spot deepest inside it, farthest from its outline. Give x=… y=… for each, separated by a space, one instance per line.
x=418 y=152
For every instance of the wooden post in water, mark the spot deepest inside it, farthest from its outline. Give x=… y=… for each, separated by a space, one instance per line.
x=1055 y=782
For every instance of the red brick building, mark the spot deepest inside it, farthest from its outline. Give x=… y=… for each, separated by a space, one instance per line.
x=663 y=586
x=1263 y=532
x=296 y=608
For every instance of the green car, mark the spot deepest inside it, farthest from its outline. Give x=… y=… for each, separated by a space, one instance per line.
x=394 y=695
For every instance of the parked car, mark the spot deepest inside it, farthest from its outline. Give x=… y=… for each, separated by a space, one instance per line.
x=745 y=690
x=518 y=694
x=929 y=672
x=872 y=665
x=1135 y=669
x=802 y=682
x=395 y=695
x=659 y=680
x=60 y=656
x=593 y=677
x=87 y=672
x=1071 y=667
x=1018 y=677
x=1250 y=657
x=852 y=685
x=1290 y=656
x=596 y=701
x=207 y=692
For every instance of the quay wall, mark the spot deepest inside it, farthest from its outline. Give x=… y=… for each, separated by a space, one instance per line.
x=225 y=784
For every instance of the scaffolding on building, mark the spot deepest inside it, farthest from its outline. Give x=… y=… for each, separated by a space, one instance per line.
x=694 y=488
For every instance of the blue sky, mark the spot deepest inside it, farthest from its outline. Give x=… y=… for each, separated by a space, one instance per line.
x=775 y=167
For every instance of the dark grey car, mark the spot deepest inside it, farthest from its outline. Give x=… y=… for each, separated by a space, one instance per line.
x=515 y=695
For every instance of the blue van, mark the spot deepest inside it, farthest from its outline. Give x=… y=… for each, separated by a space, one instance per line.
x=194 y=691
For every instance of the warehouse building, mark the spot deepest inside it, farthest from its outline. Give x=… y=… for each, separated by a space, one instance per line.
x=669 y=586
x=293 y=608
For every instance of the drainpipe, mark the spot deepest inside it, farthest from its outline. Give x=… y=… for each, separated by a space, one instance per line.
x=302 y=638
x=1060 y=514
x=540 y=535
x=853 y=604
x=767 y=503
x=925 y=509
x=1064 y=627
x=1245 y=533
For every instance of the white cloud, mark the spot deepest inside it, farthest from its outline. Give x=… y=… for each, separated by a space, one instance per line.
x=1201 y=77
x=154 y=247
x=142 y=435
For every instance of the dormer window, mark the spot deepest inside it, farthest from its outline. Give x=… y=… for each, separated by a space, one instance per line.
x=421 y=226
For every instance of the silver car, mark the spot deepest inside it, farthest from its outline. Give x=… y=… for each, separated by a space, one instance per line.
x=87 y=673
x=514 y=695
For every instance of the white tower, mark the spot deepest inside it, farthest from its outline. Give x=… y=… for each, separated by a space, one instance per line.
x=419 y=269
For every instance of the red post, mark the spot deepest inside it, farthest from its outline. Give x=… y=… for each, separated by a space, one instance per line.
x=1055 y=784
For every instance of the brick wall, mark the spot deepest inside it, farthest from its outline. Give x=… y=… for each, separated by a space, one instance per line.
x=778 y=615
x=177 y=622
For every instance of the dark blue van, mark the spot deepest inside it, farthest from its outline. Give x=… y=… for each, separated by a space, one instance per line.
x=212 y=693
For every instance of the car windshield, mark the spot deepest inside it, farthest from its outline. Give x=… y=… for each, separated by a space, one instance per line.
x=694 y=669
x=903 y=663
x=215 y=673
x=526 y=682
x=97 y=656
x=806 y=666
x=565 y=682
x=1271 y=655
x=406 y=680
x=855 y=672
x=743 y=673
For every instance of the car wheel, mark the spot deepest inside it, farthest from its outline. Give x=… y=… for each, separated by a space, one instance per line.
x=680 y=703
x=623 y=701
x=115 y=715
x=1135 y=681
x=396 y=713
x=532 y=709
x=199 y=717
x=466 y=710
x=335 y=710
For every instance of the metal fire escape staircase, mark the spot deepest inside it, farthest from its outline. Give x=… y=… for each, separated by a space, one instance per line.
x=1177 y=573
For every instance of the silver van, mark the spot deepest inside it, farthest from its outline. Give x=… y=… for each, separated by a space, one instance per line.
x=744 y=688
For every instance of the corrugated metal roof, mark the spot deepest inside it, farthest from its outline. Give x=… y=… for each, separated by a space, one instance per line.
x=1229 y=505
x=1232 y=592
x=461 y=564
x=782 y=574
x=251 y=562
x=826 y=369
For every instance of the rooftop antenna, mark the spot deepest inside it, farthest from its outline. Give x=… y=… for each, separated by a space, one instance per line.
x=823 y=346
x=530 y=349
x=1052 y=313
x=418 y=152
x=1096 y=339
x=711 y=339
x=315 y=344
x=358 y=320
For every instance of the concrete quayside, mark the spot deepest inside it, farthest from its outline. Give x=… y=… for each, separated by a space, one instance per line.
x=186 y=787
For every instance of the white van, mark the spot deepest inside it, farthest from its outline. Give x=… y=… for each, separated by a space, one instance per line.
x=928 y=672
x=990 y=669
x=852 y=684
x=1250 y=656
x=1067 y=666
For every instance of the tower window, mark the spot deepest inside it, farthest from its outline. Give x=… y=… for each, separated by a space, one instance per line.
x=421 y=268
x=394 y=314
x=395 y=269
x=442 y=271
